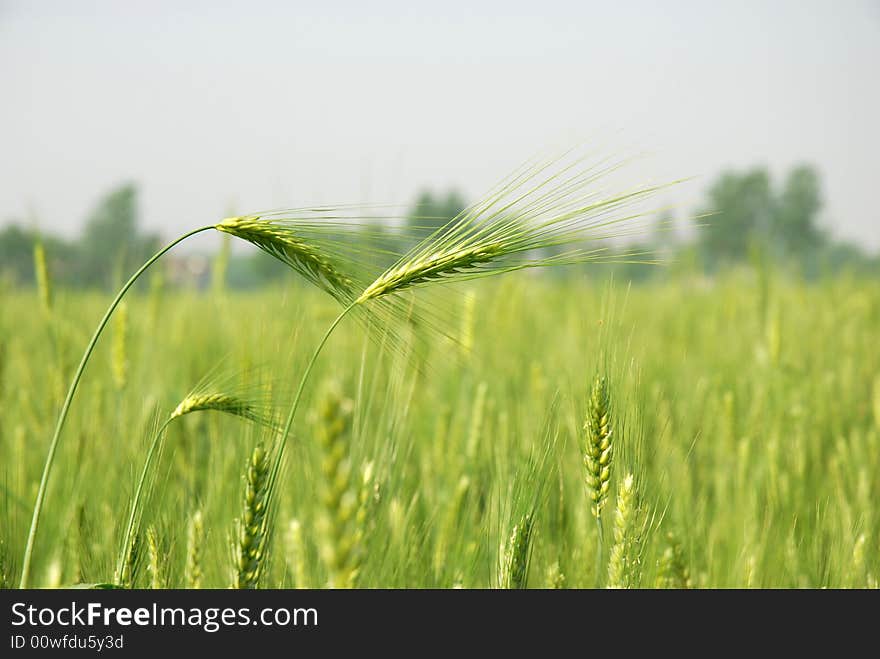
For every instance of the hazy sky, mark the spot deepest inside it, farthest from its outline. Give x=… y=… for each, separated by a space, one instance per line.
x=255 y=105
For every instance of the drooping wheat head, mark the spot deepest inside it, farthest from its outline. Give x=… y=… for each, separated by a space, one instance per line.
x=282 y=239
x=234 y=404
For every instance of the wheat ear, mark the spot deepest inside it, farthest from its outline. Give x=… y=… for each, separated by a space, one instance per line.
x=220 y=402
x=282 y=241
x=515 y=553
x=296 y=550
x=155 y=560
x=41 y=274
x=599 y=451
x=340 y=504
x=555 y=579
x=195 y=534
x=252 y=542
x=620 y=560
x=672 y=570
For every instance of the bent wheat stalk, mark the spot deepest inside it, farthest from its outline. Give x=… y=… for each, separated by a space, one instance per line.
x=273 y=236
x=62 y=417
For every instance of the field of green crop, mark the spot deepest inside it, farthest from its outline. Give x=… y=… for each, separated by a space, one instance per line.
x=746 y=411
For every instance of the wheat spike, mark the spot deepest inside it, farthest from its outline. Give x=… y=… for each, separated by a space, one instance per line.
x=555 y=577
x=41 y=272
x=250 y=549
x=515 y=553
x=296 y=550
x=127 y=576
x=548 y=205
x=598 y=452
x=220 y=402
x=281 y=240
x=195 y=534
x=338 y=521
x=621 y=560
x=443 y=263
x=672 y=570
x=155 y=562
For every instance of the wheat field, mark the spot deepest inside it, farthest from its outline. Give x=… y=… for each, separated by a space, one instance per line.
x=741 y=421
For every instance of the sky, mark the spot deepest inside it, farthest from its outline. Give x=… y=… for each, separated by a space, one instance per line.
x=219 y=108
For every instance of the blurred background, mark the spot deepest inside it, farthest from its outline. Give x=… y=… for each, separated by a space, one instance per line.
x=125 y=124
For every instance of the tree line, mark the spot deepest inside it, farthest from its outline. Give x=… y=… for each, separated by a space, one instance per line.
x=744 y=218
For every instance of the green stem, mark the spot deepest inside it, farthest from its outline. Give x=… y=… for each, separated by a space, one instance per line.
x=279 y=454
x=53 y=445
x=135 y=503
x=599 y=545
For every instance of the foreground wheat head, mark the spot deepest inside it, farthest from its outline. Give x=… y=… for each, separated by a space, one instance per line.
x=286 y=241
x=549 y=206
x=253 y=527
x=598 y=452
x=227 y=403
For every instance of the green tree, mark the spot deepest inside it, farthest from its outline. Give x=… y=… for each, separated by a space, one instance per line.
x=795 y=224
x=740 y=210
x=111 y=245
x=430 y=213
x=17 y=255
